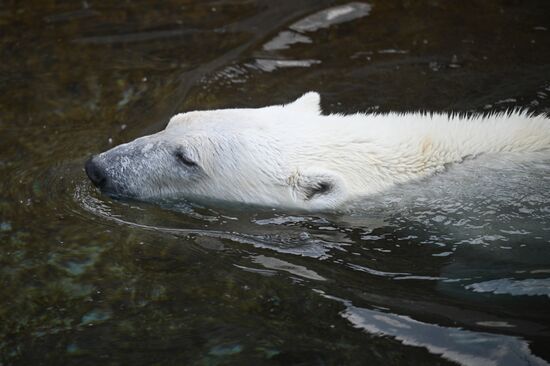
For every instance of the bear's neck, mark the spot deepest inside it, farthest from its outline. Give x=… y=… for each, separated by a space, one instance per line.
x=377 y=151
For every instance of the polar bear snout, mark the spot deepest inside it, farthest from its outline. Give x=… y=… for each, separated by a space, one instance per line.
x=147 y=168
x=96 y=173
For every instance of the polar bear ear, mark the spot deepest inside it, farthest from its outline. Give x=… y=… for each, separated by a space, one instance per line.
x=318 y=189
x=309 y=102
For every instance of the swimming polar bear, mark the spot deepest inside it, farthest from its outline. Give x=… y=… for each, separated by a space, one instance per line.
x=293 y=156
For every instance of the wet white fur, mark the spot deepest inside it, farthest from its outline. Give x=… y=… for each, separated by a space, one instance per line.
x=279 y=155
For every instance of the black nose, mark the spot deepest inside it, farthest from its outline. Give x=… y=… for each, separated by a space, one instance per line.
x=96 y=174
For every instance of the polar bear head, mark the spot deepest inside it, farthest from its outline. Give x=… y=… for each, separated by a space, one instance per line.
x=263 y=156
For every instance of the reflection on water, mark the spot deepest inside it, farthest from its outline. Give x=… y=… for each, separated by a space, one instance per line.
x=529 y=287
x=455 y=344
x=311 y=23
x=453 y=269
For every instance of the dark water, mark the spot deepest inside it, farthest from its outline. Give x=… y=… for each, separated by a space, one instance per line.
x=452 y=270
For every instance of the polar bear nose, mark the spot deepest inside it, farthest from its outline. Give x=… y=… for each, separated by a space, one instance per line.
x=96 y=174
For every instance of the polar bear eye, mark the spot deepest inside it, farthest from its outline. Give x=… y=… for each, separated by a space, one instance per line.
x=184 y=159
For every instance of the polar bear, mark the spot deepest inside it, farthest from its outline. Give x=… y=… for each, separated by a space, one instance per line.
x=293 y=156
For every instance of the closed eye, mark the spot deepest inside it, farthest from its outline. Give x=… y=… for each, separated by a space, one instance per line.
x=185 y=159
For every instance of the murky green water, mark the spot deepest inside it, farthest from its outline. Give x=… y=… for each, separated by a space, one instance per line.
x=456 y=269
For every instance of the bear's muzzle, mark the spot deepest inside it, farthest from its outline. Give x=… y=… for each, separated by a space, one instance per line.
x=96 y=173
